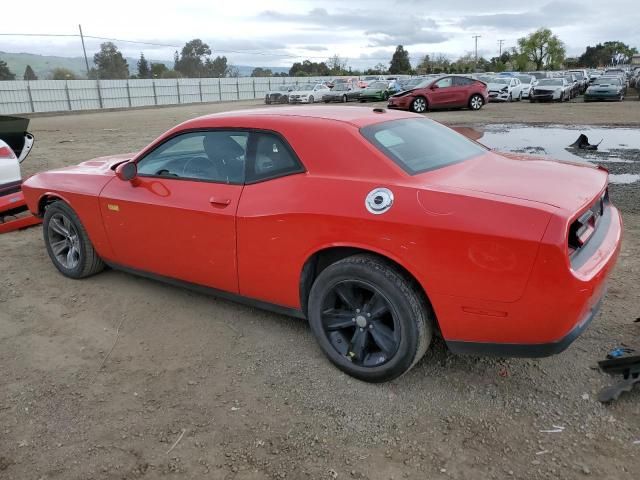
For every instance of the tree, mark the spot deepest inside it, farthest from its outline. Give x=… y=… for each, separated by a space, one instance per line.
x=337 y=65
x=217 y=67
x=5 y=73
x=233 y=71
x=261 y=72
x=29 y=74
x=543 y=48
x=425 y=66
x=143 y=67
x=110 y=64
x=309 y=69
x=192 y=59
x=62 y=74
x=607 y=53
x=400 y=61
x=157 y=70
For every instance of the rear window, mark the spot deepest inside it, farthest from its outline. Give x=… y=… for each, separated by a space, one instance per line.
x=418 y=144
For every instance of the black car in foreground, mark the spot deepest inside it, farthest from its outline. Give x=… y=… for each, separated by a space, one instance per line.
x=341 y=92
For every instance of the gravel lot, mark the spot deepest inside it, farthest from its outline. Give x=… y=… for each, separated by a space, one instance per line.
x=118 y=377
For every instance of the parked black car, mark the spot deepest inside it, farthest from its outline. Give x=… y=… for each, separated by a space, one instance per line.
x=341 y=92
x=574 y=84
x=279 y=94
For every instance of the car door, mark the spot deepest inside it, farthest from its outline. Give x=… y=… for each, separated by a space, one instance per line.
x=516 y=88
x=177 y=217
x=460 y=92
x=441 y=94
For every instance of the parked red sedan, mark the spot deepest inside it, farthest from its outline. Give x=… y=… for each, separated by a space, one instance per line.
x=395 y=230
x=452 y=91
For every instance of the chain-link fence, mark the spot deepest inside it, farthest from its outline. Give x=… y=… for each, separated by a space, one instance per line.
x=73 y=95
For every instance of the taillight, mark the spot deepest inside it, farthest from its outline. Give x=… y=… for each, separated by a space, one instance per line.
x=5 y=151
x=585 y=225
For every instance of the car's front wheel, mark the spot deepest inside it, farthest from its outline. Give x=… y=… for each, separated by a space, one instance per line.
x=311 y=99
x=476 y=102
x=369 y=318
x=419 y=105
x=344 y=99
x=68 y=244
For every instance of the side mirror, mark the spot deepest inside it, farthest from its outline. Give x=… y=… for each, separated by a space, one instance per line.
x=127 y=171
x=434 y=87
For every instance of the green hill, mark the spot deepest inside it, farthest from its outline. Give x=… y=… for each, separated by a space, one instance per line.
x=43 y=65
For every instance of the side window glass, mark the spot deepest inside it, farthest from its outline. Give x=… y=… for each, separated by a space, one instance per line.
x=461 y=81
x=216 y=156
x=273 y=158
x=444 y=82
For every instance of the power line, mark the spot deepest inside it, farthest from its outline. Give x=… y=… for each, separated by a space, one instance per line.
x=167 y=45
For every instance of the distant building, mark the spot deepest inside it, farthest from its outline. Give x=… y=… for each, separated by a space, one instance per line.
x=635 y=60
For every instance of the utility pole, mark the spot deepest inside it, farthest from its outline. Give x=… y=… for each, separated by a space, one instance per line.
x=500 y=42
x=86 y=61
x=476 y=37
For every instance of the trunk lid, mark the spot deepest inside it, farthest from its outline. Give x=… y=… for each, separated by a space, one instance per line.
x=564 y=185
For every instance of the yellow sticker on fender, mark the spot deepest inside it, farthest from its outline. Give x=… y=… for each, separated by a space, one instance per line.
x=113 y=207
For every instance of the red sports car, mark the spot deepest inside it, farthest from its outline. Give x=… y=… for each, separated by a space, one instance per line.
x=452 y=91
x=396 y=229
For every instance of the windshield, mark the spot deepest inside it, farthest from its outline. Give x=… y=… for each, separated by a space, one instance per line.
x=501 y=81
x=370 y=78
x=378 y=85
x=418 y=144
x=524 y=78
x=578 y=75
x=550 y=82
x=607 y=81
x=340 y=87
x=306 y=86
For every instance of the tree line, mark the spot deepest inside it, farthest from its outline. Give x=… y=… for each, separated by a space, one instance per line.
x=540 y=50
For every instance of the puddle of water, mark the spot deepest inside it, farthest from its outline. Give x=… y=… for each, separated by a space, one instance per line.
x=624 y=178
x=619 y=145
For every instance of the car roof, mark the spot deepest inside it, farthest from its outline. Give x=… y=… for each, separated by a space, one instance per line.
x=356 y=116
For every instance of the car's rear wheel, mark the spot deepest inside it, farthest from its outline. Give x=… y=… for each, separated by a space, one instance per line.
x=369 y=318
x=476 y=102
x=68 y=244
x=267 y=100
x=419 y=105
x=344 y=99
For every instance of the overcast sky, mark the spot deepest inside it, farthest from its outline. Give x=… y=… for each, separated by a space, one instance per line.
x=279 y=32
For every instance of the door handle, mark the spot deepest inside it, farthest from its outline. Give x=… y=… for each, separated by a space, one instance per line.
x=219 y=202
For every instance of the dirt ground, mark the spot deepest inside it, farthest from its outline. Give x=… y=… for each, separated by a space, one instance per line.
x=119 y=377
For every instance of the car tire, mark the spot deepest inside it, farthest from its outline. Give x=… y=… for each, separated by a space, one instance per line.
x=392 y=323
x=311 y=99
x=510 y=98
x=476 y=102
x=267 y=101
x=344 y=99
x=561 y=97
x=385 y=96
x=531 y=99
x=68 y=244
x=419 y=105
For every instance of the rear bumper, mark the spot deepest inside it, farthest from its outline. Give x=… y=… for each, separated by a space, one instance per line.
x=562 y=297
x=532 y=350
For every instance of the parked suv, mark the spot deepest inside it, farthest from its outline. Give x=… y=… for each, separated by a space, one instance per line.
x=451 y=91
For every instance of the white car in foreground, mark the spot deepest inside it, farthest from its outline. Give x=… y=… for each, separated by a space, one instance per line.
x=309 y=93
x=504 y=89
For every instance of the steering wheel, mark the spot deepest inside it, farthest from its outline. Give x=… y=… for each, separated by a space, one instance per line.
x=200 y=167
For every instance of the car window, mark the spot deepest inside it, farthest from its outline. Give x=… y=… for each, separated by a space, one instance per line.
x=273 y=158
x=462 y=81
x=444 y=82
x=215 y=156
x=419 y=144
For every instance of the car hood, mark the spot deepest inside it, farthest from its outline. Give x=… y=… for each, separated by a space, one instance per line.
x=558 y=184
x=98 y=165
x=496 y=86
x=548 y=87
x=304 y=92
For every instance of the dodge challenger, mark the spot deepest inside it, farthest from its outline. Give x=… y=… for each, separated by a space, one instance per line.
x=396 y=230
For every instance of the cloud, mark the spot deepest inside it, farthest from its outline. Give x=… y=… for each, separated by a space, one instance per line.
x=554 y=14
x=381 y=29
x=314 y=48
